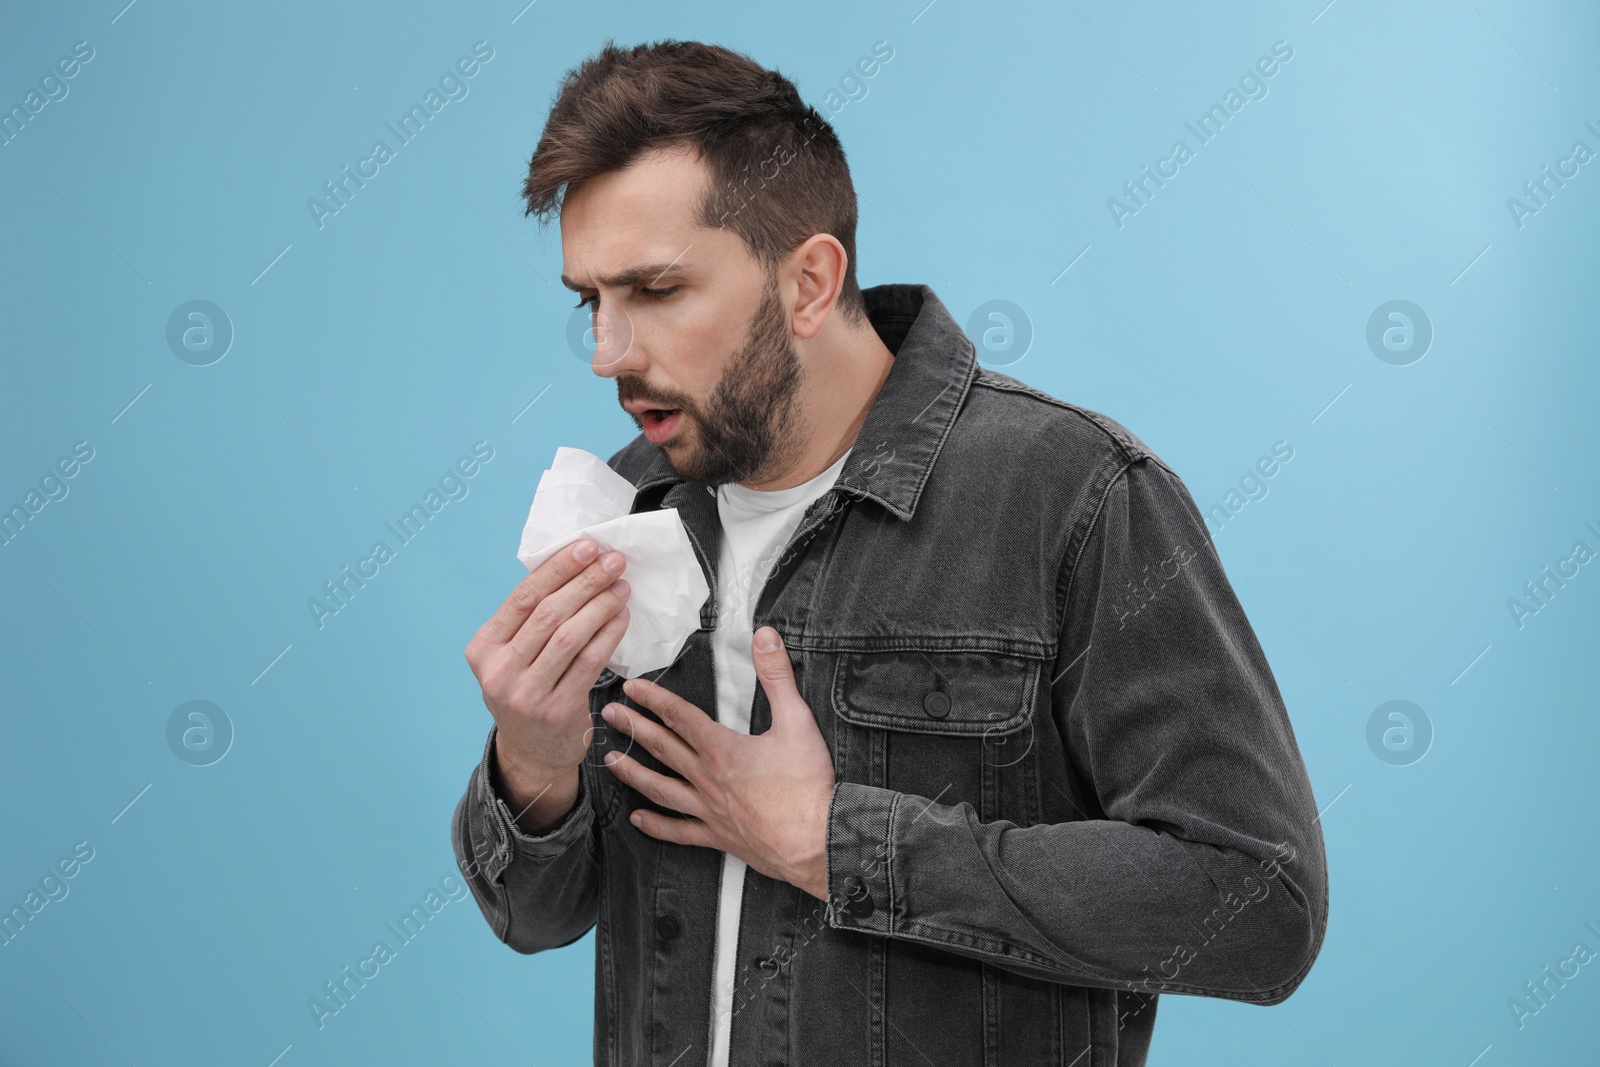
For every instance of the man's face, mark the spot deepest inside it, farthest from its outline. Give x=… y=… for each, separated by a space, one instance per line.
x=687 y=320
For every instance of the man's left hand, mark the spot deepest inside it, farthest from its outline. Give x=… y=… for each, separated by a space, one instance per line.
x=762 y=798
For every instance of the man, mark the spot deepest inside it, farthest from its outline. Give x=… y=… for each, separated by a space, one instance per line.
x=1015 y=763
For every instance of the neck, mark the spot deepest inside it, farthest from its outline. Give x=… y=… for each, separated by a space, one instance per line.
x=845 y=366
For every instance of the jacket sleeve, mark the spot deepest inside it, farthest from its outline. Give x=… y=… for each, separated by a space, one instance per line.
x=1195 y=863
x=537 y=892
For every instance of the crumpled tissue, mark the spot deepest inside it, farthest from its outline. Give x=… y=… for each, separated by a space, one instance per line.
x=581 y=496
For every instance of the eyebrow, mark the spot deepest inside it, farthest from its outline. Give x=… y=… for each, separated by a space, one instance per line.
x=625 y=278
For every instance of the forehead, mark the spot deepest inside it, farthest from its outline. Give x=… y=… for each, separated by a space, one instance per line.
x=642 y=214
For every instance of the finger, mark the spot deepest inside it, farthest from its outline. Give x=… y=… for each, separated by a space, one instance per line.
x=671 y=828
x=776 y=672
x=570 y=640
x=580 y=675
x=677 y=714
x=657 y=740
x=529 y=593
x=562 y=603
x=672 y=793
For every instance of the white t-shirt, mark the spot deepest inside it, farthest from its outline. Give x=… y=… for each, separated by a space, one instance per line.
x=756 y=527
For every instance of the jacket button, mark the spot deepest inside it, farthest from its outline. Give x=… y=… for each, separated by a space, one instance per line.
x=858 y=902
x=936 y=702
x=666 y=928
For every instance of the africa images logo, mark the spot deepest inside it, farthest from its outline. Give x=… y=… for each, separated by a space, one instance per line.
x=452 y=85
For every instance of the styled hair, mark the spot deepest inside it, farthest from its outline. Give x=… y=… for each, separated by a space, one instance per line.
x=777 y=170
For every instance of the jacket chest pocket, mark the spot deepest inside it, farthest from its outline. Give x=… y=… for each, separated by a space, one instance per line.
x=950 y=726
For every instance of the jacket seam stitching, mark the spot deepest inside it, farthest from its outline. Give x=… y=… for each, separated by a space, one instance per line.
x=1126 y=448
x=1089 y=528
x=925 y=933
x=889 y=861
x=956 y=409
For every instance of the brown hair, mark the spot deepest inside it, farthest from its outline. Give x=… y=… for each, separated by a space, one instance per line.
x=748 y=124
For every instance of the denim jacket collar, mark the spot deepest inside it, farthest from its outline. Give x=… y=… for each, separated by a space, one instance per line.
x=934 y=366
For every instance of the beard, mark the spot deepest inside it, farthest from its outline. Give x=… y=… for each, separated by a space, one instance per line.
x=749 y=427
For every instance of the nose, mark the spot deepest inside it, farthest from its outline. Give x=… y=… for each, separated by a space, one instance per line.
x=615 y=347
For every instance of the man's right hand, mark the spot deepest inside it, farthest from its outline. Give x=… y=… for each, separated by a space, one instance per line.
x=536 y=659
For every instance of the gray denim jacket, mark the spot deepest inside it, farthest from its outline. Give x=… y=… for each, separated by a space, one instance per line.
x=1066 y=778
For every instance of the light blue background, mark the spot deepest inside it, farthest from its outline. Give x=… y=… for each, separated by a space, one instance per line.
x=1228 y=314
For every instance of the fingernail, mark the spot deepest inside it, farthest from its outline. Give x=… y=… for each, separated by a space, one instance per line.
x=608 y=712
x=621 y=587
x=612 y=757
x=584 y=551
x=766 y=639
x=614 y=563
x=634 y=818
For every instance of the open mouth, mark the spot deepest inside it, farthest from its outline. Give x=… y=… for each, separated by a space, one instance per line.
x=660 y=423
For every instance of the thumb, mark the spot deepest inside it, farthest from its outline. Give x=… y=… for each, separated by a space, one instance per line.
x=777 y=677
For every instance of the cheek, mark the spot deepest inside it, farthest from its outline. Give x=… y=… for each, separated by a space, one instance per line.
x=698 y=365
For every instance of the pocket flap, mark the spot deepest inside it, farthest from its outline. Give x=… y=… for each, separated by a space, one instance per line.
x=936 y=692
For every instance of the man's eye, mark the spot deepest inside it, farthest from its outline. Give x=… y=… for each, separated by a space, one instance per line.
x=653 y=294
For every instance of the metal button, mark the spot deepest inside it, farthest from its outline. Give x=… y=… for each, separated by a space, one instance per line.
x=936 y=702
x=666 y=928
x=858 y=903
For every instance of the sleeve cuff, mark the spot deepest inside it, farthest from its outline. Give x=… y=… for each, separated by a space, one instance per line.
x=508 y=838
x=860 y=857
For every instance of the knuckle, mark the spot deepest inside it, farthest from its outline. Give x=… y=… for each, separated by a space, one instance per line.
x=496 y=684
x=563 y=641
x=546 y=616
x=559 y=565
x=526 y=595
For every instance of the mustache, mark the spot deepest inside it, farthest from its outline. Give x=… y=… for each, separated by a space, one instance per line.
x=624 y=396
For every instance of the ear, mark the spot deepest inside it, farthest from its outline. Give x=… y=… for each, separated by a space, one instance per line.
x=817 y=269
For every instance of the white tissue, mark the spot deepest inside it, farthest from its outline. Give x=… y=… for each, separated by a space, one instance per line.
x=580 y=496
